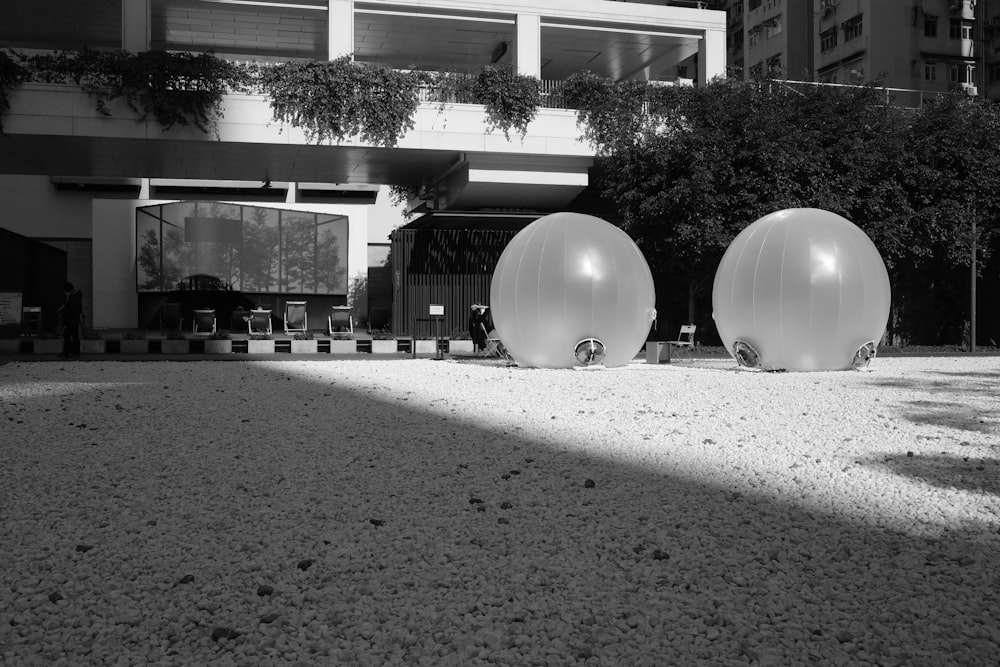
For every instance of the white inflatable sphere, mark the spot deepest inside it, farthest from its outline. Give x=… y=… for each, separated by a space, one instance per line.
x=571 y=289
x=801 y=289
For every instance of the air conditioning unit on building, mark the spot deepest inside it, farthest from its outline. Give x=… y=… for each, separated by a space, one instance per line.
x=971 y=91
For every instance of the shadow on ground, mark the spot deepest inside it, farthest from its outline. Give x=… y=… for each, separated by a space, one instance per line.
x=981 y=475
x=388 y=533
x=947 y=404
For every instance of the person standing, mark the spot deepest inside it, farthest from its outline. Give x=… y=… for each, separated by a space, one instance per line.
x=72 y=317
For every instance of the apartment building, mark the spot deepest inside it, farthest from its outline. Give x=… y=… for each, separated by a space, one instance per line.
x=91 y=184
x=769 y=38
x=921 y=47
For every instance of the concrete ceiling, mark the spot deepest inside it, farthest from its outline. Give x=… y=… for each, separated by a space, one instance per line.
x=400 y=36
x=212 y=160
x=268 y=30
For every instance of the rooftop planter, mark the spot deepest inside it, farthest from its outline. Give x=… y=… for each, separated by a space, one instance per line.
x=330 y=101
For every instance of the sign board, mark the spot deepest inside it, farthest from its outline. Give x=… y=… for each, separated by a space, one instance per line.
x=436 y=310
x=10 y=308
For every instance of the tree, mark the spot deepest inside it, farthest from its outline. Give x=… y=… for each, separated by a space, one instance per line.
x=689 y=168
x=954 y=187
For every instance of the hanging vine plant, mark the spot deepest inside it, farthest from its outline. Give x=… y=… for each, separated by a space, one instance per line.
x=606 y=108
x=511 y=100
x=12 y=75
x=331 y=101
x=174 y=88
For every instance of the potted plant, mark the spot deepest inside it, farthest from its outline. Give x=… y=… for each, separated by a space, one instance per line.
x=10 y=345
x=424 y=345
x=134 y=342
x=175 y=343
x=260 y=343
x=91 y=342
x=343 y=345
x=219 y=343
x=10 y=342
x=383 y=342
x=459 y=342
x=47 y=343
x=304 y=343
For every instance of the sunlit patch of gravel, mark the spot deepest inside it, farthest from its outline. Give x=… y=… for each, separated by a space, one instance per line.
x=422 y=512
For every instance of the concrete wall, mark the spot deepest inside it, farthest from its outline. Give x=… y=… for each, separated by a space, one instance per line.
x=99 y=238
x=30 y=206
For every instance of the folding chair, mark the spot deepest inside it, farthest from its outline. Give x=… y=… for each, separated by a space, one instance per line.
x=260 y=321
x=203 y=322
x=340 y=322
x=684 y=342
x=478 y=318
x=170 y=317
x=495 y=348
x=296 y=317
x=484 y=335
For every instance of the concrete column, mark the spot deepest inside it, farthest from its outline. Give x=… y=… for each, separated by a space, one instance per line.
x=340 y=37
x=135 y=25
x=711 y=56
x=528 y=45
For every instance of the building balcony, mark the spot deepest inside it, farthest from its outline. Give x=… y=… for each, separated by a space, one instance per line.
x=55 y=129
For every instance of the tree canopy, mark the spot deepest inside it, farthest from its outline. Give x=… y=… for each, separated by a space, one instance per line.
x=689 y=168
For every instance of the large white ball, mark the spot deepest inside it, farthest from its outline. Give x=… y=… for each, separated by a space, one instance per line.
x=804 y=289
x=571 y=289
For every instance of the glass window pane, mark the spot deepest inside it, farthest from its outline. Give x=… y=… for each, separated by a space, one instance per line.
x=210 y=235
x=259 y=255
x=298 y=252
x=175 y=213
x=331 y=255
x=149 y=276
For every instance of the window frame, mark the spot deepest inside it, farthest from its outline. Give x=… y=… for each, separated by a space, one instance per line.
x=930 y=25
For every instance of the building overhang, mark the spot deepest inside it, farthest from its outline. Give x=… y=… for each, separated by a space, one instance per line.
x=55 y=130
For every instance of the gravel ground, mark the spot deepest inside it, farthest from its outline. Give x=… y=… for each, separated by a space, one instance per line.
x=421 y=512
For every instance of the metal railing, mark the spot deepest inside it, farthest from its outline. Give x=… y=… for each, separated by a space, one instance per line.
x=904 y=97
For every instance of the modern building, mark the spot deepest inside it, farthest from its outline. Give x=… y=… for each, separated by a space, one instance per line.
x=142 y=212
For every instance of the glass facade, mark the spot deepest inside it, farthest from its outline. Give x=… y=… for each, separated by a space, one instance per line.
x=216 y=246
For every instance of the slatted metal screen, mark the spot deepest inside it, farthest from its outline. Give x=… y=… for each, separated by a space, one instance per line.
x=451 y=267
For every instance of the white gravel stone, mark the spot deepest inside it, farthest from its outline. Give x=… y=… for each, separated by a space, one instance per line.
x=734 y=518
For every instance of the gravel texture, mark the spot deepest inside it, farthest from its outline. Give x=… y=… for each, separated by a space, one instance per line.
x=421 y=512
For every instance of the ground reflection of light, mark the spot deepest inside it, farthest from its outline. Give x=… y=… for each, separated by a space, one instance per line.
x=699 y=457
